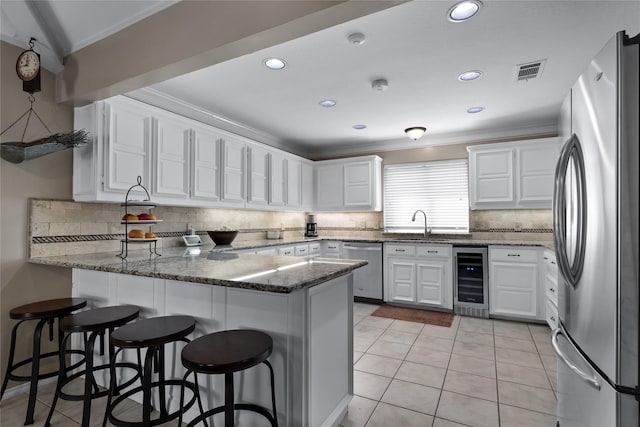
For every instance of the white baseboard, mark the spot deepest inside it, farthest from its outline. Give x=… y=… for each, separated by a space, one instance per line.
x=24 y=387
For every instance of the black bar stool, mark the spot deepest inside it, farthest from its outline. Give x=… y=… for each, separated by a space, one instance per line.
x=151 y=334
x=227 y=352
x=95 y=322
x=45 y=312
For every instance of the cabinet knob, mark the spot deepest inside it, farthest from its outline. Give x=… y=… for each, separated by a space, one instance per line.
x=513 y=254
x=552 y=290
x=432 y=252
x=553 y=318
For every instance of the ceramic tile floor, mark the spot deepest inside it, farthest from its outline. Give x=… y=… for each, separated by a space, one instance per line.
x=67 y=413
x=476 y=373
x=479 y=372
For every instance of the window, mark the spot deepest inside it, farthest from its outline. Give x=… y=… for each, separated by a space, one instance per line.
x=439 y=188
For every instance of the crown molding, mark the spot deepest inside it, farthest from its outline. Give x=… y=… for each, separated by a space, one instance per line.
x=175 y=105
x=537 y=130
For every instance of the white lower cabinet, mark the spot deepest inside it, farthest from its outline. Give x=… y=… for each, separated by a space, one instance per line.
x=551 y=287
x=514 y=281
x=318 y=321
x=419 y=274
x=331 y=249
x=286 y=250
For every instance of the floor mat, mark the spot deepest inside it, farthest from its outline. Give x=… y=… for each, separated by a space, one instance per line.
x=415 y=315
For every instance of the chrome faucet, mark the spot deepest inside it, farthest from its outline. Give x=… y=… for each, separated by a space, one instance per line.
x=427 y=231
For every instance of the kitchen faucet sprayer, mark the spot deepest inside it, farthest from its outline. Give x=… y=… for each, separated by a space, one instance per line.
x=427 y=231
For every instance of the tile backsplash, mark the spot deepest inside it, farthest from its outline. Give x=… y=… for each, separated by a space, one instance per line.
x=59 y=227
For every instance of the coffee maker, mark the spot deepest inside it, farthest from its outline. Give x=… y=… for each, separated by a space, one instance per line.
x=312 y=226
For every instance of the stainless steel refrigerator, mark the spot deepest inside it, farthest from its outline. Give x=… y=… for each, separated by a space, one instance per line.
x=595 y=214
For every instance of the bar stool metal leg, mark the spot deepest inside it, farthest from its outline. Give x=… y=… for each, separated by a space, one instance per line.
x=12 y=352
x=35 y=369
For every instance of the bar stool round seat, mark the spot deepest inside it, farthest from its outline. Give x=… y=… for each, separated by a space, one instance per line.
x=151 y=334
x=94 y=322
x=45 y=312
x=227 y=352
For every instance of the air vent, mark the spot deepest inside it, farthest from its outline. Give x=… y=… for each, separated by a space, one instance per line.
x=529 y=70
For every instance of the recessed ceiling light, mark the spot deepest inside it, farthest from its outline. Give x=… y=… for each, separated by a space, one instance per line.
x=474 y=110
x=464 y=10
x=359 y=127
x=469 y=75
x=275 y=63
x=328 y=103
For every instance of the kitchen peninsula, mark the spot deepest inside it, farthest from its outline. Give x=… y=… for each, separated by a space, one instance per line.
x=305 y=304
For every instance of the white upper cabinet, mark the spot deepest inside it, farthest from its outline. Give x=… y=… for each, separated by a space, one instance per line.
x=353 y=184
x=258 y=176
x=205 y=161
x=308 y=187
x=491 y=176
x=329 y=186
x=536 y=166
x=513 y=175
x=184 y=162
x=170 y=168
x=127 y=140
x=233 y=171
x=362 y=185
x=294 y=182
x=277 y=165
x=119 y=151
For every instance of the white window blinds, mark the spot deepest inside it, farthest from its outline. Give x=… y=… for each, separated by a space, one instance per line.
x=439 y=188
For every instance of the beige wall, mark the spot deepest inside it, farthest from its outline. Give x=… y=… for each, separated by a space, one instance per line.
x=47 y=176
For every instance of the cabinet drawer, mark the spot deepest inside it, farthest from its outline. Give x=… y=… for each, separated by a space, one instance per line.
x=440 y=251
x=552 y=315
x=402 y=250
x=515 y=254
x=314 y=248
x=302 y=250
x=332 y=247
x=551 y=289
x=286 y=251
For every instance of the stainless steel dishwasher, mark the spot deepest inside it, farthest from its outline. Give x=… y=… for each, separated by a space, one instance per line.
x=367 y=280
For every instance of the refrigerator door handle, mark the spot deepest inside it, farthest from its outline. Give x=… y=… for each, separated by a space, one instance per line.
x=590 y=379
x=571 y=269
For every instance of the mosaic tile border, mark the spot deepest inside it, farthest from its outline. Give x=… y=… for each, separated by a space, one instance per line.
x=118 y=236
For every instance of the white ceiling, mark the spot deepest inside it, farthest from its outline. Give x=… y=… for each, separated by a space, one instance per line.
x=413 y=46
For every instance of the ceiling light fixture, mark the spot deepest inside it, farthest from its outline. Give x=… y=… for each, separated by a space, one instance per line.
x=474 y=110
x=275 y=63
x=467 y=76
x=328 y=103
x=380 y=85
x=463 y=10
x=359 y=127
x=415 y=132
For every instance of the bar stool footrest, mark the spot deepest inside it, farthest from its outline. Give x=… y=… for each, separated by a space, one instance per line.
x=101 y=393
x=42 y=376
x=160 y=420
x=236 y=406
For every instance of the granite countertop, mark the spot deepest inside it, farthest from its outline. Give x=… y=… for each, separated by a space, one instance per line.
x=219 y=265
x=215 y=266
x=249 y=244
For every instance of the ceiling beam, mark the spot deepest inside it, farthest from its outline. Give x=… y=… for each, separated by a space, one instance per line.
x=18 y=16
x=191 y=35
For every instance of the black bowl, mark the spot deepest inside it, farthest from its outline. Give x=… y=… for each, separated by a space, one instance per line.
x=223 y=237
